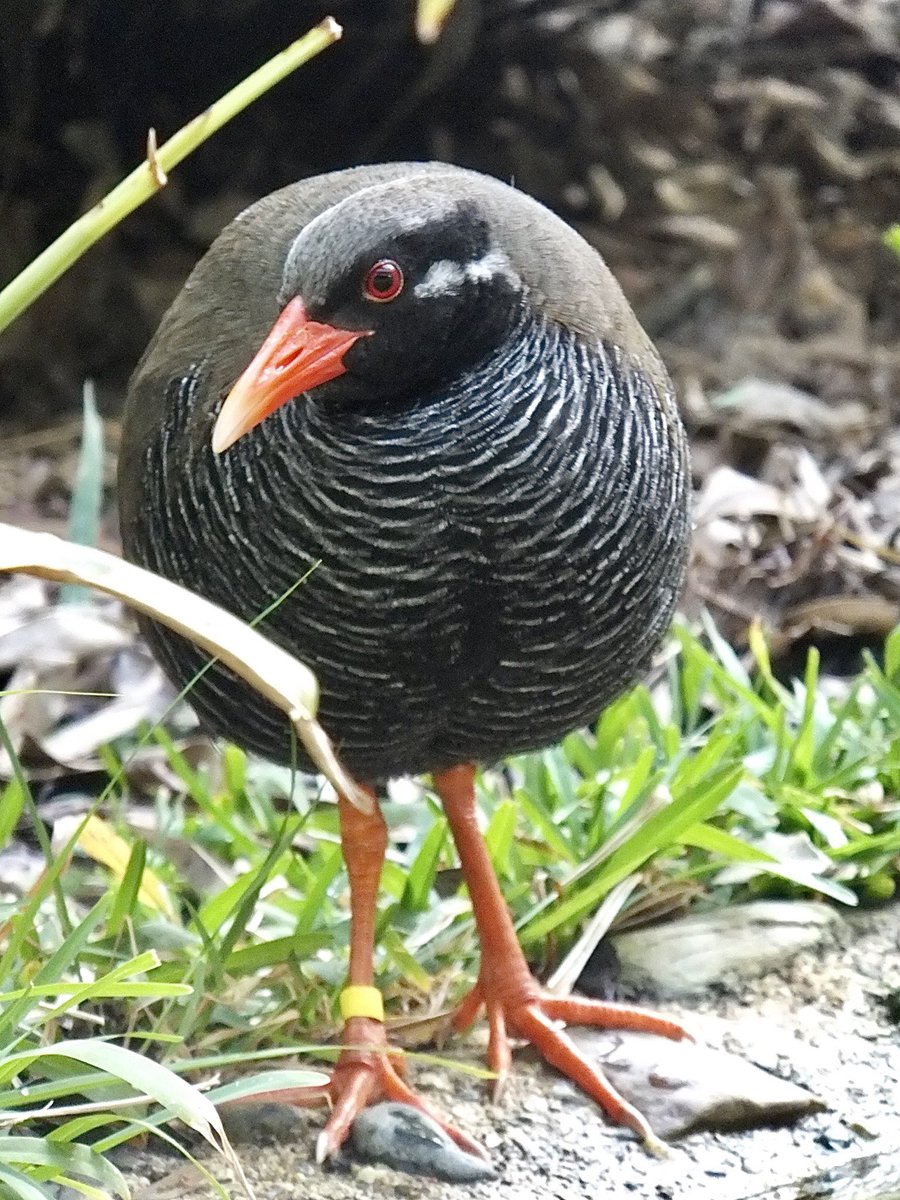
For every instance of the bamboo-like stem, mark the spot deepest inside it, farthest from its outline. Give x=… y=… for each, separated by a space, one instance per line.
x=147 y=179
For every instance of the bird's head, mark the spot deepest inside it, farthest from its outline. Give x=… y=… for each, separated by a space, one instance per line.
x=383 y=295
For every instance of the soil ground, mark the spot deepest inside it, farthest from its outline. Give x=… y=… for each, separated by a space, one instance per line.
x=821 y=1022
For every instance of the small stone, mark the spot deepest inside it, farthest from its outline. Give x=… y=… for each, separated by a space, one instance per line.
x=684 y=957
x=681 y=1086
x=566 y=1090
x=369 y=1175
x=835 y=1136
x=892 y=1004
x=435 y=1081
x=404 y=1138
x=259 y=1123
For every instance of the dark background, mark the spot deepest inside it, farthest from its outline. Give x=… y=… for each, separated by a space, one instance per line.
x=654 y=125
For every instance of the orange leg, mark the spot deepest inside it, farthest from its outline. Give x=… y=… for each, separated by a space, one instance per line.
x=510 y=993
x=367 y=1070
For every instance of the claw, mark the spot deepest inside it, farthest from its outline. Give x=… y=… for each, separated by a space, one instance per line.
x=542 y=1019
x=655 y=1146
x=324 y=1148
x=499 y=1054
x=509 y=991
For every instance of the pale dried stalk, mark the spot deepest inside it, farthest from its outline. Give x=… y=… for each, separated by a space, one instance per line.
x=275 y=674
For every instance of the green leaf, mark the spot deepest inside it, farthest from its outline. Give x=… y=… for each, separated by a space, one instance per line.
x=421 y=876
x=892 y=645
x=64 y=1157
x=297 y=946
x=71 y=948
x=499 y=837
x=657 y=833
x=76 y=1129
x=717 y=841
x=405 y=963
x=802 y=753
x=80 y=993
x=760 y=651
x=125 y=901
x=560 y=776
x=12 y=801
x=193 y=780
x=329 y=863
x=265 y=1082
x=145 y=1076
x=640 y=782
x=537 y=812
x=24 y=923
x=16 y=1185
x=860 y=847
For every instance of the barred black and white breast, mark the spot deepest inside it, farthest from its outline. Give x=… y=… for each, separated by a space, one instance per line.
x=485 y=500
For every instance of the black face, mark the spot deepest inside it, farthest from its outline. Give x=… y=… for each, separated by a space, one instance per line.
x=436 y=291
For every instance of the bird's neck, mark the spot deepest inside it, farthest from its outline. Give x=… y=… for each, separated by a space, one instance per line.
x=536 y=371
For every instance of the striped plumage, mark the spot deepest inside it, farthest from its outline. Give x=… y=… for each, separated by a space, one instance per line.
x=489 y=558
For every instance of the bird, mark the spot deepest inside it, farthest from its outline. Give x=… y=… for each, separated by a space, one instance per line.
x=418 y=391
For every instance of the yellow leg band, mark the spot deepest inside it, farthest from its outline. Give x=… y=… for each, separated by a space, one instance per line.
x=358 y=1000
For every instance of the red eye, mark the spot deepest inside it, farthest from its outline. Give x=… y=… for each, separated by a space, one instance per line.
x=384 y=281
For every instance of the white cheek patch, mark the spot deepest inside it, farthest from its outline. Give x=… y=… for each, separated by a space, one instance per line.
x=446 y=277
x=494 y=263
x=441 y=277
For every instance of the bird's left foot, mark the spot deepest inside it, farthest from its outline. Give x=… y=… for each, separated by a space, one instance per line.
x=524 y=1010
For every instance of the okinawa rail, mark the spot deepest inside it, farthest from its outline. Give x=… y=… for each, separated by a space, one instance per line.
x=422 y=393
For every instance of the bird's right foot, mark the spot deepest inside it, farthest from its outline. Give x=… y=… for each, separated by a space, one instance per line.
x=368 y=1071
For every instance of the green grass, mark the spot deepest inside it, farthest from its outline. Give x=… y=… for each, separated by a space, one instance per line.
x=671 y=787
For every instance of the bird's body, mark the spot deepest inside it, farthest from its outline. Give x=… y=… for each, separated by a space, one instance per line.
x=456 y=460
x=486 y=565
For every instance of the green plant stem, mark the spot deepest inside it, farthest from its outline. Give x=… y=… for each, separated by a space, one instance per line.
x=147 y=179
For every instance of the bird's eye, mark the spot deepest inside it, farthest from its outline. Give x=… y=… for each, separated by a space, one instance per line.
x=384 y=281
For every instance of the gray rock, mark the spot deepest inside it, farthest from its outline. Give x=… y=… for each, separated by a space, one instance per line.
x=258 y=1122
x=683 y=957
x=408 y=1140
x=682 y=1086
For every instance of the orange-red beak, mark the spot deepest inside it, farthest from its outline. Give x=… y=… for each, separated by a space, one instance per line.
x=298 y=355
